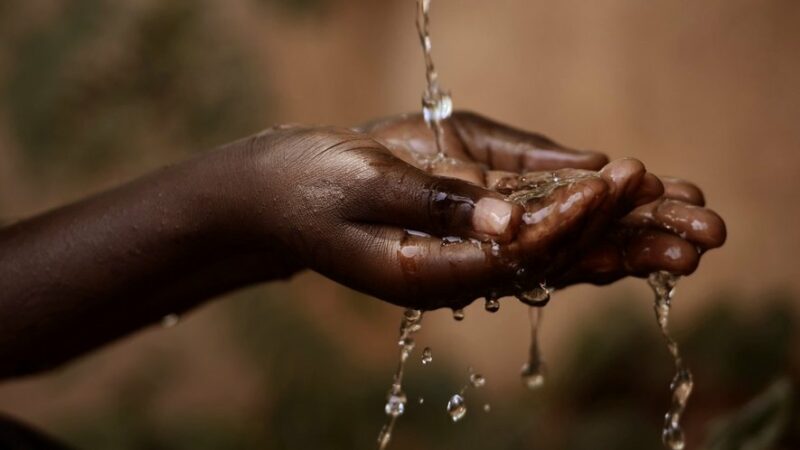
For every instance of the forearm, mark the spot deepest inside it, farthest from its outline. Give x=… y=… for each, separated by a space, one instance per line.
x=82 y=275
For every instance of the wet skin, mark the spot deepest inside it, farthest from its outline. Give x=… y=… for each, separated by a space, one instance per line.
x=340 y=202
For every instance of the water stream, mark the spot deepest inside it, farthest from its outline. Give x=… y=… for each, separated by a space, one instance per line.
x=437 y=105
x=396 y=399
x=663 y=285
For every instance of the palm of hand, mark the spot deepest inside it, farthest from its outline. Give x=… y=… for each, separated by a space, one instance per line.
x=661 y=224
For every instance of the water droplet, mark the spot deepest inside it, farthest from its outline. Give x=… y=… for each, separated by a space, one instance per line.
x=395 y=403
x=421 y=400
x=495 y=248
x=673 y=438
x=533 y=376
x=538 y=296
x=456 y=407
x=170 y=320
x=492 y=305
x=477 y=380
x=458 y=314
x=412 y=315
x=449 y=240
x=437 y=108
x=427 y=356
x=406 y=342
x=487 y=407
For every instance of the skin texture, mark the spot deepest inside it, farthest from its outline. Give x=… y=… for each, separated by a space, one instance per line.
x=340 y=202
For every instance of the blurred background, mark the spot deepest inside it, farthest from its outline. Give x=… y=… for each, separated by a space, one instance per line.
x=96 y=92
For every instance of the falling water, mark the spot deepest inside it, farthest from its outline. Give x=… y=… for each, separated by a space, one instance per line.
x=436 y=104
x=533 y=372
x=396 y=399
x=534 y=186
x=663 y=285
x=457 y=405
x=427 y=356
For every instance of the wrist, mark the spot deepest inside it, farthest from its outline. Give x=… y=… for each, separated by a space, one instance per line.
x=234 y=196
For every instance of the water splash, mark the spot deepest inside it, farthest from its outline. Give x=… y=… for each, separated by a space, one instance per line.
x=396 y=399
x=663 y=285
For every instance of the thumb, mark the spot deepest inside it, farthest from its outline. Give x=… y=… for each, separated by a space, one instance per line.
x=411 y=198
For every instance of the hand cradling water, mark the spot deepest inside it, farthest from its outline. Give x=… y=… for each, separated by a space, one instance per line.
x=437 y=106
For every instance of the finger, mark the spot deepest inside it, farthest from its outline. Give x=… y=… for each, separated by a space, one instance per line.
x=678 y=189
x=410 y=198
x=461 y=170
x=505 y=148
x=655 y=250
x=637 y=254
x=502 y=181
x=630 y=184
x=650 y=189
x=701 y=226
x=413 y=270
x=576 y=215
x=602 y=264
x=564 y=211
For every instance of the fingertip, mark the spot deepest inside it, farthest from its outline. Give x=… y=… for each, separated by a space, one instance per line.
x=680 y=189
x=717 y=232
x=700 y=225
x=591 y=160
x=655 y=250
x=496 y=218
x=624 y=176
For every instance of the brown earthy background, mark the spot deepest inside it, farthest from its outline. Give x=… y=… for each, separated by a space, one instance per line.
x=95 y=92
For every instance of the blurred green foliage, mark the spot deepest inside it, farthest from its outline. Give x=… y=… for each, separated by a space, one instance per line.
x=99 y=80
x=760 y=424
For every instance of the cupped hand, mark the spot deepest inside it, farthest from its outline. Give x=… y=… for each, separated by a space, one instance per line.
x=342 y=203
x=476 y=143
x=670 y=233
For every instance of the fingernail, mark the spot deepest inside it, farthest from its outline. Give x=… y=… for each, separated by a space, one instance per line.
x=491 y=216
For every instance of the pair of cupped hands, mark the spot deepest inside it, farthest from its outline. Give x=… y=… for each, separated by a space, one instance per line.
x=372 y=208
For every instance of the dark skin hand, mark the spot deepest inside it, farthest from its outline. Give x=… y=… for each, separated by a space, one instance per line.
x=339 y=202
x=657 y=223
